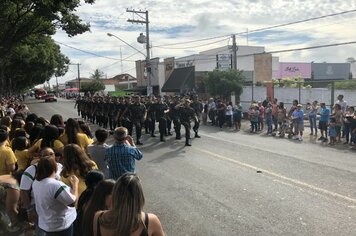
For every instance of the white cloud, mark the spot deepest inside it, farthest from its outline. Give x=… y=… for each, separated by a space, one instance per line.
x=180 y=21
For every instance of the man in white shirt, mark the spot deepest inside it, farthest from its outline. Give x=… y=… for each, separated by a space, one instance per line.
x=342 y=103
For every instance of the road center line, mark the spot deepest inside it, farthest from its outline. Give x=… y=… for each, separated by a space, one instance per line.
x=276 y=175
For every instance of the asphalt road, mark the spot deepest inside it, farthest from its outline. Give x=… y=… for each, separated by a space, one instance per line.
x=231 y=183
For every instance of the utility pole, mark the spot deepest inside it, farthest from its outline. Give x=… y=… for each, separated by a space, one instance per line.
x=78 y=78
x=78 y=75
x=57 y=90
x=146 y=22
x=234 y=52
x=122 y=69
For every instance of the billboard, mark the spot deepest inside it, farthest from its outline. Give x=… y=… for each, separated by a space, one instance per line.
x=294 y=70
x=330 y=71
x=224 y=61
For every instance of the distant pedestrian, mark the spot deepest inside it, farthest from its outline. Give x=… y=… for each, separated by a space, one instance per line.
x=332 y=131
x=237 y=116
x=298 y=120
x=323 y=122
x=268 y=117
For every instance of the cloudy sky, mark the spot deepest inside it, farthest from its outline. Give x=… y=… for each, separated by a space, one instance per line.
x=174 y=24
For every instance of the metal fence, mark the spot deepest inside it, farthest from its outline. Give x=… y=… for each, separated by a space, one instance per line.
x=302 y=91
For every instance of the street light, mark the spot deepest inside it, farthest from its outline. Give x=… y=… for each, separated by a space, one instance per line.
x=112 y=35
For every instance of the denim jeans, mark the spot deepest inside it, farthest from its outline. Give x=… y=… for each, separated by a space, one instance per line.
x=312 y=122
x=269 y=125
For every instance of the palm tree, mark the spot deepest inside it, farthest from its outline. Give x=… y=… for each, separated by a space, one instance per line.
x=97 y=75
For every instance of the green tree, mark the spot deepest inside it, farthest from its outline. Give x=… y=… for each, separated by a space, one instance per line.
x=25 y=21
x=346 y=84
x=224 y=83
x=92 y=87
x=24 y=69
x=97 y=75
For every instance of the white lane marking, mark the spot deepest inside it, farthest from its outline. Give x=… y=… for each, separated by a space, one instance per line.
x=290 y=180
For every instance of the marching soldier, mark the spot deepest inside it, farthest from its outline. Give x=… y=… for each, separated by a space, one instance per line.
x=106 y=109
x=186 y=114
x=174 y=115
x=112 y=113
x=198 y=109
x=161 y=109
x=78 y=105
x=124 y=116
x=169 y=119
x=92 y=105
x=137 y=113
x=150 y=122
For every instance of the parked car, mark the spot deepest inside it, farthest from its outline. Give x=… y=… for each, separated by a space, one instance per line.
x=50 y=98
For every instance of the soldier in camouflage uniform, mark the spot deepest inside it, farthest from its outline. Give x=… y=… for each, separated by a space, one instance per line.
x=150 y=123
x=168 y=101
x=78 y=105
x=198 y=109
x=118 y=111
x=124 y=116
x=186 y=115
x=99 y=109
x=112 y=112
x=106 y=110
x=137 y=113
x=174 y=115
x=161 y=109
x=91 y=108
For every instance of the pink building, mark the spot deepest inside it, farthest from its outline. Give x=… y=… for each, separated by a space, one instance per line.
x=293 y=70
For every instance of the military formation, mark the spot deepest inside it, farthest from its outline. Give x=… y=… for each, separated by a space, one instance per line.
x=143 y=113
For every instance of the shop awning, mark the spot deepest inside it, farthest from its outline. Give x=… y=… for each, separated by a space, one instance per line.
x=181 y=80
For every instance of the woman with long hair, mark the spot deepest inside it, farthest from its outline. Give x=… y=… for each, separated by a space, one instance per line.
x=50 y=139
x=76 y=162
x=100 y=200
x=72 y=135
x=126 y=216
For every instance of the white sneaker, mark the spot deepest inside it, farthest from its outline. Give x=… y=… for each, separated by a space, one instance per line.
x=300 y=138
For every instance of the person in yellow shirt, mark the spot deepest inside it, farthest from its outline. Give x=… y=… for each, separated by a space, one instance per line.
x=19 y=146
x=73 y=135
x=8 y=158
x=75 y=161
x=50 y=139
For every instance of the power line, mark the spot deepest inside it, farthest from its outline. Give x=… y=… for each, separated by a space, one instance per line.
x=202 y=45
x=298 y=22
x=312 y=47
x=91 y=53
x=262 y=29
x=213 y=57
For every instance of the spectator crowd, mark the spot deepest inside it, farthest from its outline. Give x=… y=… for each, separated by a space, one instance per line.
x=57 y=179
x=336 y=125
